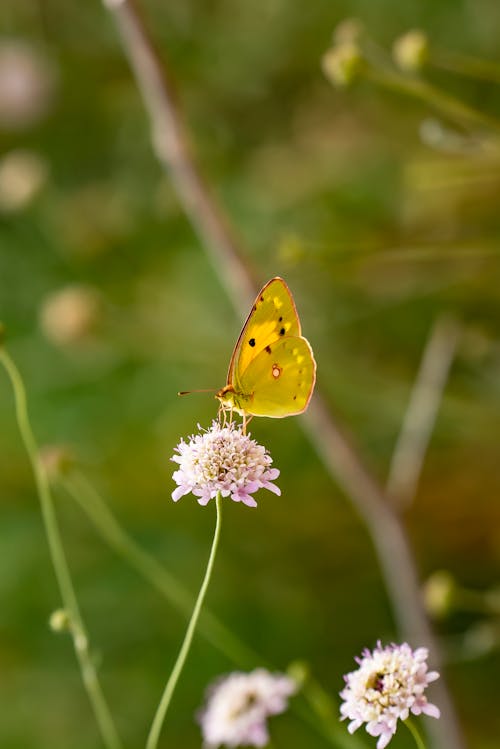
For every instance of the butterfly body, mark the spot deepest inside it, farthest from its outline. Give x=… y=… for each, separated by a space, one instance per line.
x=272 y=370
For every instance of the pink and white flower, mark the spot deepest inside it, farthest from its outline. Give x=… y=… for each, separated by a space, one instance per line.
x=238 y=705
x=223 y=459
x=388 y=685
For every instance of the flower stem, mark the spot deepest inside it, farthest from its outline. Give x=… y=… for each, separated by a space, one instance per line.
x=78 y=631
x=88 y=498
x=154 y=733
x=415 y=733
x=433 y=96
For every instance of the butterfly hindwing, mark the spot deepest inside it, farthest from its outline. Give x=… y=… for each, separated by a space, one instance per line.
x=280 y=379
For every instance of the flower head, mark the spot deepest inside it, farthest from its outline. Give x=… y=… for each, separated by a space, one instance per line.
x=389 y=684
x=238 y=706
x=223 y=459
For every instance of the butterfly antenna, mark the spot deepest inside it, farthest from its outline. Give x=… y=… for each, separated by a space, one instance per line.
x=189 y=392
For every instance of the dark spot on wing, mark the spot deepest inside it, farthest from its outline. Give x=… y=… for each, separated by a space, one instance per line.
x=282 y=331
x=268 y=349
x=251 y=342
x=280 y=319
x=295 y=397
x=262 y=298
x=254 y=308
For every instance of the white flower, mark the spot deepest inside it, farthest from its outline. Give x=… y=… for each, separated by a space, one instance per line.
x=238 y=706
x=223 y=459
x=389 y=684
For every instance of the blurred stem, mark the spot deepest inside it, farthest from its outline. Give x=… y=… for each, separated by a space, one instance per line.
x=341 y=459
x=421 y=412
x=80 y=637
x=471 y=67
x=157 y=724
x=414 y=732
x=435 y=97
x=480 y=602
x=82 y=492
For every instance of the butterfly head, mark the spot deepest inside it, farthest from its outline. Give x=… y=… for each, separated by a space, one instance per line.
x=231 y=401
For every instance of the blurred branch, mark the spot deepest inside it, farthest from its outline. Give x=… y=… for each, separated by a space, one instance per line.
x=172 y=148
x=340 y=457
x=421 y=413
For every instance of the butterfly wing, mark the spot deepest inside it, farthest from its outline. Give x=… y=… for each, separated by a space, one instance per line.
x=273 y=316
x=280 y=379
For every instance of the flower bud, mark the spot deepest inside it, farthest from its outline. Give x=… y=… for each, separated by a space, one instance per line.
x=342 y=64
x=411 y=51
x=60 y=621
x=348 y=30
x=57 y=460
x=439 y=593
x=299 y=672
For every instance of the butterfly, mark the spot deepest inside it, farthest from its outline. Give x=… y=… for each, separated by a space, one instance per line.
x=272 y=369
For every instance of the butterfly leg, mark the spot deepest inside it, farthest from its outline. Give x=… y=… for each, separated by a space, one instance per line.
x=246 y=421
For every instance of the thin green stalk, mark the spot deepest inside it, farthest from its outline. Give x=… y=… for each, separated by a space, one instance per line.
x=86 y=496
x=80 y=637
x=415 y=733
x=442 y=101
x=159 y=717
x=326 y=708
x=471 y=67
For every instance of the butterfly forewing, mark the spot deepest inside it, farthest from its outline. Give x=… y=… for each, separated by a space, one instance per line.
x=273 y=316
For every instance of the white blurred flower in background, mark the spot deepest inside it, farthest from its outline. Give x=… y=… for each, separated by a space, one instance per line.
x=27 y=84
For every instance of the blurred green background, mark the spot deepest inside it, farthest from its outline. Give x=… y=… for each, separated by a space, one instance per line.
x=378 y=228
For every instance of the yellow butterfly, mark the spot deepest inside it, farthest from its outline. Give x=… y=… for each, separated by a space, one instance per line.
x=272 y=370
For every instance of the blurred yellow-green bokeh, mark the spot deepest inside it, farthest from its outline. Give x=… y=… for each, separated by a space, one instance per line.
x=382 y=213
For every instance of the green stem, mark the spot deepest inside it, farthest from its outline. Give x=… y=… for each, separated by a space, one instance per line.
x=59 y=562
x=86 y=496
x=440 y=100
x=472 y=67
x=156 y=726
x=415 y=733
x=326 y=708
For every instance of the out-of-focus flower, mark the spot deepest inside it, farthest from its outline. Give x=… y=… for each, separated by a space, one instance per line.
x=388 y=685
x=22 y=175
x=223 y=459
x=238 y=705
x=71 y=315
x=411 y=50
x=26 y=84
